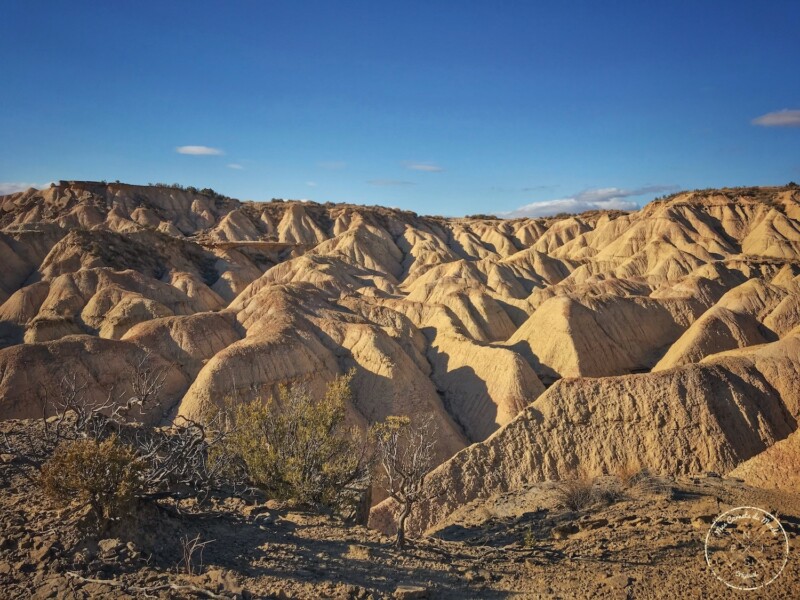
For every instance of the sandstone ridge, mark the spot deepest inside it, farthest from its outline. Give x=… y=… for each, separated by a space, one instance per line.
x=666 y=336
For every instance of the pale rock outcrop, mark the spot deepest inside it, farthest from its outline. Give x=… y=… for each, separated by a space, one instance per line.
x=366 y=247
x=484 y=387
x=712 y=416
x=102 y=301
x=736 y=321
x=333 y=275
x=129 y=311
x=777 y=467
x=786 y=315
x=236 y=226
x=560 y=233
x=298 y=228
x=601 y=336
x=461 y=319
x=187 y=341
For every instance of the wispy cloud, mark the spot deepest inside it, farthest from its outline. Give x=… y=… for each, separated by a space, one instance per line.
x=333 y=165
x=311 y=183
x=611 y=198
x=236 y=166
x=538 y=188
x=390 y=182
x=12 y=187
x=423 y=166
x=532 y=188
x=781 y=118
x=199 y=150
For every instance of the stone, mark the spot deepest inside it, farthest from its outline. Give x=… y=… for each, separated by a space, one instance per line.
x=618 y=582
x=563 y=531
x=42 y=551
x=594 y=524
x=410 y=592
x=110 y=548
x=477 y=575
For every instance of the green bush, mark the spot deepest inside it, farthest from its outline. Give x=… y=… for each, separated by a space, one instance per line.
x=529 y=540
x=300 y=448
x=106 y=475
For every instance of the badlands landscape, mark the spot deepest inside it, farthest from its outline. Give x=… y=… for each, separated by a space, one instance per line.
x=543 y=350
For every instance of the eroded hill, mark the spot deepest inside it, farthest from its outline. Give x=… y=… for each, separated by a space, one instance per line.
x=668 y=336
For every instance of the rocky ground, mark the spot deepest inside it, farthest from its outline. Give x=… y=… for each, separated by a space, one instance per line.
x=643 y=544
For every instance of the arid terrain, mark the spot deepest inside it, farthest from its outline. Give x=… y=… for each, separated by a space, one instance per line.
x=543 y=350
x=520 y=544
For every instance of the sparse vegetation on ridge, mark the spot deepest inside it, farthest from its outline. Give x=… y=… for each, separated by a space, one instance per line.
x=578 y=493
x=192 y=190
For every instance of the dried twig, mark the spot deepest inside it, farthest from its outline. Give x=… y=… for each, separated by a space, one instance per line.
x=190 y=546
x=178 y=587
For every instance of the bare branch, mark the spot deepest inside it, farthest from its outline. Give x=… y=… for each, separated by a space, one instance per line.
x=178 y=587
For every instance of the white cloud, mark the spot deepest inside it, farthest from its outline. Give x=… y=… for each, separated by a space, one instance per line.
x=333 y=165
x=12 y=187
x=390 y=182
x=612 y=198
x=236 y=166
x=311 y=183
x=199 y=150
x=781 y=118
x=427 y=167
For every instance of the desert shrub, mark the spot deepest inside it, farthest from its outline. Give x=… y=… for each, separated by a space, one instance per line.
x=300 y=448
x=104 y=474
x=608 y=492
x=577 y=493
x=173 y=461
x=627 y=472
x=642 y=483
x=529 y=539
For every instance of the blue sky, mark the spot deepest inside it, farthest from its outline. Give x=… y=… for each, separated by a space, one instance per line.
x=438 y=107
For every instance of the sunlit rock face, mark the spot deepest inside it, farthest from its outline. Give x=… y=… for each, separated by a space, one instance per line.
x=539 y=346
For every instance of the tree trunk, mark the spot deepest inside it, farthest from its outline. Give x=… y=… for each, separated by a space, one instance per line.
x=405 y=510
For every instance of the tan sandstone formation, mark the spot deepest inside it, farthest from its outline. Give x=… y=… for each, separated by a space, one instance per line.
x=695 y=418
x=666 y=335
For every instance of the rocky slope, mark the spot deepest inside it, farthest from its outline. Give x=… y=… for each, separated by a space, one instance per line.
x=668 y=336
x=523 y=544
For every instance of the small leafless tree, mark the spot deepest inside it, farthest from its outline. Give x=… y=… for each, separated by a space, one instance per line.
x=75 y=413
x=406 y=454
x=146 y=384
x=73 y=410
